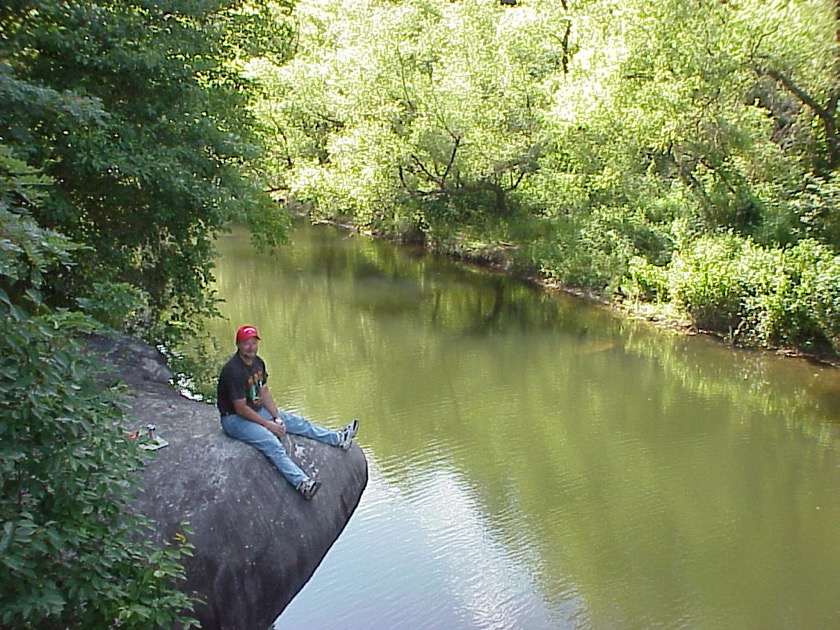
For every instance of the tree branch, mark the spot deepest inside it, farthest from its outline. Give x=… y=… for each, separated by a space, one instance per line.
x=825 y=114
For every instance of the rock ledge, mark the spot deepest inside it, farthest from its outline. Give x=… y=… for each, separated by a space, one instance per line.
x=257 y=541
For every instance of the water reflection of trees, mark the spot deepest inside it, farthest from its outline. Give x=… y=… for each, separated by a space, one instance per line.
x=456 y=299
x=795 y=391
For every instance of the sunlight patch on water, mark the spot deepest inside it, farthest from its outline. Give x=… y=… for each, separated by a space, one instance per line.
x=493 y=590
x=434 y=526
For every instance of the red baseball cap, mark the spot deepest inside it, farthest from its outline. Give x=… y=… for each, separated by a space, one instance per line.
x=246 y=332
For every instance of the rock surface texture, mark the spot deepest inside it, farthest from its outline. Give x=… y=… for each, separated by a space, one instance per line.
x=257 y=541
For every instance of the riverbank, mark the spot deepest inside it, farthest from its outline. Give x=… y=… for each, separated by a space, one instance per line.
x=668 y=316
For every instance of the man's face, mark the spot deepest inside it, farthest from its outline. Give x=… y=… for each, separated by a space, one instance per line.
x=248 y=347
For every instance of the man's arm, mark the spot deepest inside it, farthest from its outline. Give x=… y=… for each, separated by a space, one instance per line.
x=244 y=411
x=268 y=401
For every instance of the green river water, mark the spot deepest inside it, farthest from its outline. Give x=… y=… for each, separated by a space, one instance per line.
x=537 y=461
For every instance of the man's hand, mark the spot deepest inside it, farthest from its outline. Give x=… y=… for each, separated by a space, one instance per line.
x=277 y=427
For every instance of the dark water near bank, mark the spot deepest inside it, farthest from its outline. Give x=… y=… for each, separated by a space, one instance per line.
x=537 y=462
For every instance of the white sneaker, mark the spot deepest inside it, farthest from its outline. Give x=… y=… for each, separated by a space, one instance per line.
x=347 y=434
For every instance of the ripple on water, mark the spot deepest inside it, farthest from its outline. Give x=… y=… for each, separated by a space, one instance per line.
x=453 y=570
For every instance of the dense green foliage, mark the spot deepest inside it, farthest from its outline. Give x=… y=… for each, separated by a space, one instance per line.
x=125 y=147
x=70 y=554
x=137 y=112
x=630 y=148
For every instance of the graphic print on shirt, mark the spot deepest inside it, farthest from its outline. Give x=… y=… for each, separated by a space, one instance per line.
x=255 y=383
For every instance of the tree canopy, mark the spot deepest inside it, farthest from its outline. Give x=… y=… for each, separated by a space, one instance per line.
x=608 y=142
x=138 y=114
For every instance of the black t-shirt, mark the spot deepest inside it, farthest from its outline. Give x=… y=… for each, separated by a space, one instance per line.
x=238 y=380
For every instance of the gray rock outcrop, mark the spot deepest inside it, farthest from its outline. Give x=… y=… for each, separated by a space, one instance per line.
x=257 y=541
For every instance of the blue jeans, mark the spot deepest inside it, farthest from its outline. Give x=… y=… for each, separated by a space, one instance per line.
x=270 y=445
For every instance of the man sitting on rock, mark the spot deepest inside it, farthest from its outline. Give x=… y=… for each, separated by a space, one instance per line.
x=249 y=413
